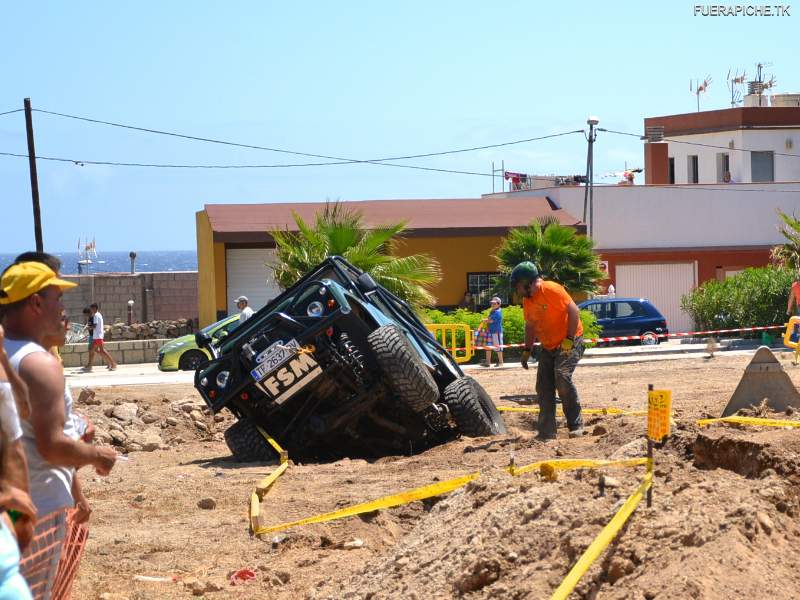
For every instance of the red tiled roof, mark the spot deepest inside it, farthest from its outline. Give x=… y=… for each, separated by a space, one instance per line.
x=436 y=214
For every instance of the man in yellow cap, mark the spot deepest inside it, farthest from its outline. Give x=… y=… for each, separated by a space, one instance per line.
x=30 y=299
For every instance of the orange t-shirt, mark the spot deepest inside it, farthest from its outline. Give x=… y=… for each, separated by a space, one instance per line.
x=547 y=311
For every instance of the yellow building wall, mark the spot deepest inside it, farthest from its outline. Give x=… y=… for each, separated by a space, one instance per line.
x=457 y=256
x=211 y=275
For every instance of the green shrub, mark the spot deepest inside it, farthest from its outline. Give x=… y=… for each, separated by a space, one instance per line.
x=754 y=297
x=513 y=322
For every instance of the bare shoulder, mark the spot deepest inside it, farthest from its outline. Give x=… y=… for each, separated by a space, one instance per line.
x=41 y=366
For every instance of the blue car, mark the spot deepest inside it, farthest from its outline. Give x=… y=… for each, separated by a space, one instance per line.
x=628 y=316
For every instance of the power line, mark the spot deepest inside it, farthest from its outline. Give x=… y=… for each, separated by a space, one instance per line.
x=81 y=162
x=700 y=144
x=9 y=112
x=298 y=153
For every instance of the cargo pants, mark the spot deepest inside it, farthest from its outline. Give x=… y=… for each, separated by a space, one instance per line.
x=554 y=373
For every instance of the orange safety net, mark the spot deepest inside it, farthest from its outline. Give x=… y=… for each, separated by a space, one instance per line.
x=51 y=562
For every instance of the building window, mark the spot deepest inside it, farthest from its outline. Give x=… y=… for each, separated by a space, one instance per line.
x=692 y=169
x=723 y=167
x=480 y=285
x=762 y=166
x=672 y=169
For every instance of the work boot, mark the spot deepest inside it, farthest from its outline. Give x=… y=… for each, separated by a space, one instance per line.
x=576 y=433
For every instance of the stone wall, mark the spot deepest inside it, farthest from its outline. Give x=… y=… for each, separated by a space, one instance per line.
x=125 y=353
x=149 y=331
x=156 y=296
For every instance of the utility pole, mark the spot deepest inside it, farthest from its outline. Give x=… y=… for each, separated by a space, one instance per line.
x=37 y=214
x=589 y=192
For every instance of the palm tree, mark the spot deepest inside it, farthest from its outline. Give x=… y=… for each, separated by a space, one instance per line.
x=788 y=254
x=560 y=253
x=339 y=230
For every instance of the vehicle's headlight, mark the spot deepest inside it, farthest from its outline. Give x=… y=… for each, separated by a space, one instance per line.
x=315 y=309
x=204 y=382
x=222 y=378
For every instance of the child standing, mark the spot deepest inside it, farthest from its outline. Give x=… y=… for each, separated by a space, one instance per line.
x=495 y=323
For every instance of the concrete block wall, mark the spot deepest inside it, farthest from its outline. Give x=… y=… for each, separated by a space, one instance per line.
x=156 y=296
x=125 y=353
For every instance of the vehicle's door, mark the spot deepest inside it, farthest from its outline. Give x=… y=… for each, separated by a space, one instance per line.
x=602 y=312
x=627 y=317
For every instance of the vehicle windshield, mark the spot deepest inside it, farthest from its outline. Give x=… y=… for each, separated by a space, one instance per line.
x=209 y=328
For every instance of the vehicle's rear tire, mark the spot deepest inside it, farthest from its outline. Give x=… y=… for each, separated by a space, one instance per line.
x=650 y=338
x=405 y=372
x=247 y=444
x=472 y=409
x=191 y=360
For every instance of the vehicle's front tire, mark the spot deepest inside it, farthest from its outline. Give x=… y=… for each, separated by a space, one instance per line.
x=247 y=444
x=403 y=369
x=472 y=409
x=191 y=360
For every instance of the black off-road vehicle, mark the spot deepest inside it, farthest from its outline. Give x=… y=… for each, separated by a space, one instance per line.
x=338 y=366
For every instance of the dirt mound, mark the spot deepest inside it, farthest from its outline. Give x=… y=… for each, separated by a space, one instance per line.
x=503 y=537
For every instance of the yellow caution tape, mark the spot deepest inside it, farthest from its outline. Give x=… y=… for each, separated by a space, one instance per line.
x=750 y=421
x=283 y=454
x=260 y=490
x=420 y=493
x=587 y=411
x=548 y=467
x=602 y=540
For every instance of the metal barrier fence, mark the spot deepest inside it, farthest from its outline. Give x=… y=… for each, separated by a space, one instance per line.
x=447 y=334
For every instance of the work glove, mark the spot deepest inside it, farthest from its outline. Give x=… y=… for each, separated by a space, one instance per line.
x=526 y=355
x=567 y=344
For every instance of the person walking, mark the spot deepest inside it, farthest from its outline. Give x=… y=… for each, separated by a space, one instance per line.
x=30 y=297
x=495 y=324
x=552 y=317
x=245 y=312
x=98 y=344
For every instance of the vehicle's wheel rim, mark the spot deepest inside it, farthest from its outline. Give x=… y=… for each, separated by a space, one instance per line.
x=193 y=362
x=649 y=339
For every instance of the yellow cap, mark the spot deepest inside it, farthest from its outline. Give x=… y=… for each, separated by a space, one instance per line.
x=25 y=279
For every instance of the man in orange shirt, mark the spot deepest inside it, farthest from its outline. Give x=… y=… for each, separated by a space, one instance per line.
x=552 y=318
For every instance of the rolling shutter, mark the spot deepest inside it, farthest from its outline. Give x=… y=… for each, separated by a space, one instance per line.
x=663 y=284
x=249 y=274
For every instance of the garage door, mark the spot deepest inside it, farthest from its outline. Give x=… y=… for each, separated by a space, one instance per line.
x=662 y=284
x=249 y=274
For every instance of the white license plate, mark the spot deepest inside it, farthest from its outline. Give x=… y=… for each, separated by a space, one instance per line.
x=289 y=378
x=273 y=357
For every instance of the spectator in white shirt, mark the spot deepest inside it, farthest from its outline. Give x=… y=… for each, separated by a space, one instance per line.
x=98 y=345
x=245 y=311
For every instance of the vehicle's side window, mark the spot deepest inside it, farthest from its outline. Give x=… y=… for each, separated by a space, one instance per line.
x=601 y=310
x=625 y=309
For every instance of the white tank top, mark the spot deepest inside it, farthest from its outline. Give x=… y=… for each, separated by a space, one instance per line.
x=50 y=485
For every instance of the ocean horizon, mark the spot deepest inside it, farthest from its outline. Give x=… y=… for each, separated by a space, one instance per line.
x=147 y=261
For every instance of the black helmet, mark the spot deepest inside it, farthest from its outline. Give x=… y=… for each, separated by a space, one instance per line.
x=524 y=271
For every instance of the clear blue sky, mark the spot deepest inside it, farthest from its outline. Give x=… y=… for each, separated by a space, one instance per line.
x=353 y=79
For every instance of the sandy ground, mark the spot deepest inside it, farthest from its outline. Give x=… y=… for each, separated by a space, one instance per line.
x=724 y=523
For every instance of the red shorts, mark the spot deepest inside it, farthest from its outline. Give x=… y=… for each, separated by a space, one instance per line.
x=97 y=343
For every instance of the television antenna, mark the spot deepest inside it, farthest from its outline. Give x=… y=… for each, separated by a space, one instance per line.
x=698 y=88
x=759 y=85
x=733 y=86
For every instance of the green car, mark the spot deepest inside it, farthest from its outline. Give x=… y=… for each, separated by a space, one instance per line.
x=182 y=353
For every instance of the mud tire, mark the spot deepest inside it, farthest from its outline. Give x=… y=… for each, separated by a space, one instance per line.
x=472 y=409
x=246 y=443
x=403 y=369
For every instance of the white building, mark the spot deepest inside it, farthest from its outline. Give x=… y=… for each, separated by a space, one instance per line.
x=751 y=144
